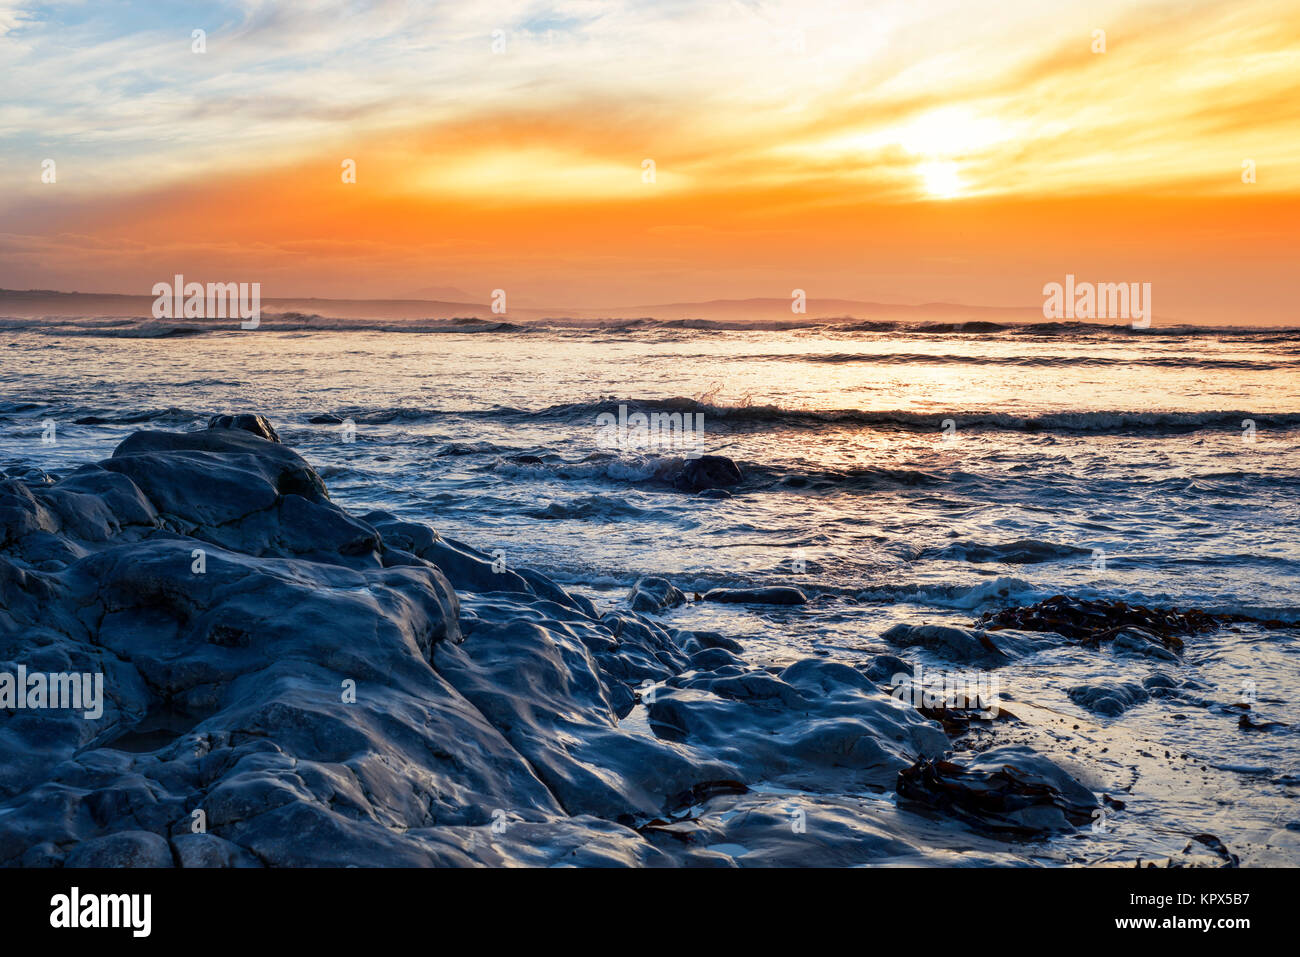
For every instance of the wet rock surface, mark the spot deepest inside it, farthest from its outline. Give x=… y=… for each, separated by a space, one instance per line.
x=654 y=595
x=813 y=722
x=325 y=687
x=1008 y=788
x=321 y=688
x=772 y=595
x=946 y=641
x=707 y=472
x=258 y=425
x=1109 y=699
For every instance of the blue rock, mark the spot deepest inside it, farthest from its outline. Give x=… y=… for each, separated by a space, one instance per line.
x=654 y=595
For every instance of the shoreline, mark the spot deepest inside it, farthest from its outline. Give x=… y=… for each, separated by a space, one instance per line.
x=323 y=688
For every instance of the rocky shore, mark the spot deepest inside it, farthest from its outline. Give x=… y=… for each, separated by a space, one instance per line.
x=288 y=684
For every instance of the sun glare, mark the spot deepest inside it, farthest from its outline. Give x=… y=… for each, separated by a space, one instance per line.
x=950 y=131
x=941 y=179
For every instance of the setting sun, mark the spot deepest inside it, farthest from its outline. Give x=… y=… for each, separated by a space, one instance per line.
x=941 y=179
x=951 y=131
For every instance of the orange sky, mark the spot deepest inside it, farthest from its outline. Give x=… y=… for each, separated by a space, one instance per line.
x=959 y=152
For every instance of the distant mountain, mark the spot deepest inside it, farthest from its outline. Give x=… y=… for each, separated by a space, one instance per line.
x=40 y=302
x=774 y=309
x=440 y=293
x=43 y=302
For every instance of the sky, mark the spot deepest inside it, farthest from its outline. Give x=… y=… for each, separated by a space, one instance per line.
x=621 y=153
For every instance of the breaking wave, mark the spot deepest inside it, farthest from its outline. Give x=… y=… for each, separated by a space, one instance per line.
x=147 y=327
x=742 y=417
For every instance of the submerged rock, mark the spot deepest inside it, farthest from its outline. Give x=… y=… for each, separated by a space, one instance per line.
x=707 y=472
x=713 y=493
x=954 y=644
x=1005 y=789
x=1140 y=643
x=654 y=595
x=771 y=595
x=1110 y=700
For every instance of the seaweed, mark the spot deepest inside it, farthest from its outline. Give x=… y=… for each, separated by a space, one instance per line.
x=1008 y=789
x=1093 y=621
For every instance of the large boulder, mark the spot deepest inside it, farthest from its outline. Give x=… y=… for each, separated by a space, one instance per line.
x=707 y=472
x=259 y=425
x=654 y=595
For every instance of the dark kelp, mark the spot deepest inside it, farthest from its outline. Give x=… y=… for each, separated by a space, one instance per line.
x=1008 y=789
x=1093 y=621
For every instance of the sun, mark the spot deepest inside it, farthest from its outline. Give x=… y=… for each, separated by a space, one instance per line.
x=951 y=131
x=941 y=179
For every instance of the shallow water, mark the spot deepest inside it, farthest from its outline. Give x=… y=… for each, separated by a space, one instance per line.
x=914 y=475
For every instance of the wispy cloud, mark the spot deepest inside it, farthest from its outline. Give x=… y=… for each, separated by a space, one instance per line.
x=119 y=94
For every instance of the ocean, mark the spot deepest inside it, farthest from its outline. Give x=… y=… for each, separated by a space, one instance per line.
x=895 y=473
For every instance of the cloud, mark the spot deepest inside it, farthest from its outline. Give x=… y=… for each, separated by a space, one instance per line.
x=738 y=89
x=11 y=17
